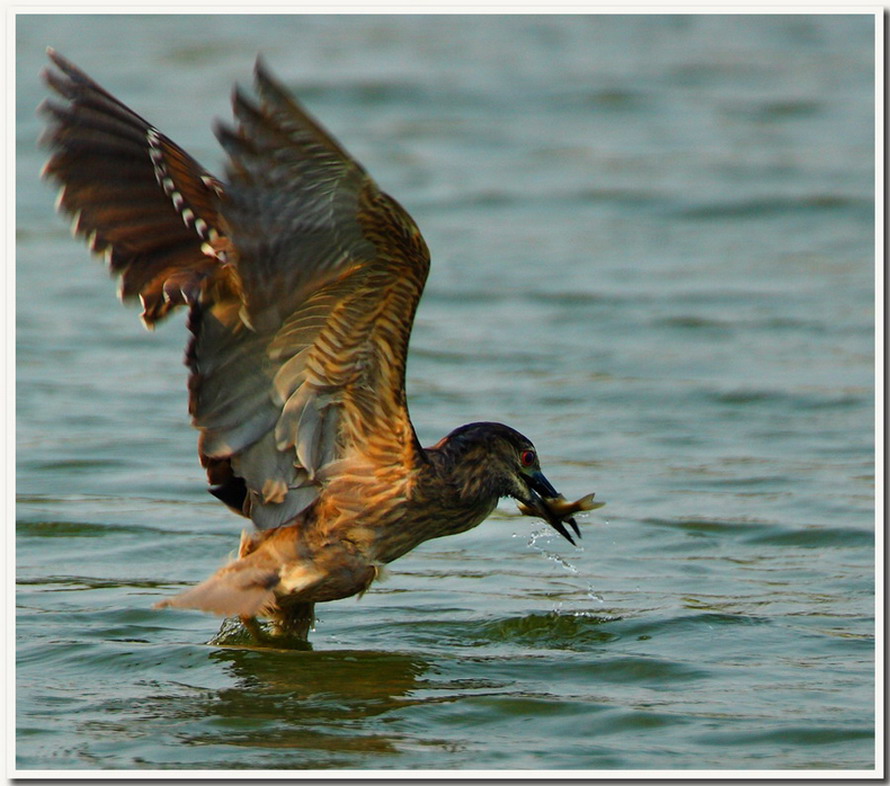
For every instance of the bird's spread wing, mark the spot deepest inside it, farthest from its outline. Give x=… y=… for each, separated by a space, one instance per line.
x=133 y=194
x=306 y=370
x=303 y=281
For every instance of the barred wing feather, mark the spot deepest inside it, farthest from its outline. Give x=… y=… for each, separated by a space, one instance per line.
x=302 y=280
x=134 y=195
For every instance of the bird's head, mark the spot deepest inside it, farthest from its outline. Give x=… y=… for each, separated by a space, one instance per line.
x=495 y=460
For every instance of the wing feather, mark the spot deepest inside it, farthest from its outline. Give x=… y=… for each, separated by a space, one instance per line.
x=134 y=195
x=331 y=270
x=302 y=279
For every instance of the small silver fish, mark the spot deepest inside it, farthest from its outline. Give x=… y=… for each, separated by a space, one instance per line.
x=556 y=510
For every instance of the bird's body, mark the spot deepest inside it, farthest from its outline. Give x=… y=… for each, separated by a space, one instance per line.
x=302 y=279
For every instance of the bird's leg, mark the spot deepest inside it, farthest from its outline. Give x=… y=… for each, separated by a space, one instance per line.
x=253 y=627
x=295 y=621
x=290 y=626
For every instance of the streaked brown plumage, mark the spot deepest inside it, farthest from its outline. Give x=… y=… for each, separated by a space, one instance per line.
x=302 y=279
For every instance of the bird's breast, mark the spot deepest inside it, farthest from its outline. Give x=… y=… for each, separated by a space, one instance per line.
x=423 y=520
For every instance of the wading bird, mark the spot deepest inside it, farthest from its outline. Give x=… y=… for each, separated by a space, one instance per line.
x=301 y=280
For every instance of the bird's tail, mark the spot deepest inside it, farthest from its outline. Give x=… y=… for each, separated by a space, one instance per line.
x=237 y=589
x=246 y=587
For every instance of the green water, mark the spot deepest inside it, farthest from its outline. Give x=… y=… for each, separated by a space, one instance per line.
x=653 y=253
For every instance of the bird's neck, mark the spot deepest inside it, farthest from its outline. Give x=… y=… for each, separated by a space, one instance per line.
x=458 y=486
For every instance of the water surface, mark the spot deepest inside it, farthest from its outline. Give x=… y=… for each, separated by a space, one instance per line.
x=653 y=253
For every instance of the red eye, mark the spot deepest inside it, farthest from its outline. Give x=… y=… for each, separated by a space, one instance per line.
x=527 y=458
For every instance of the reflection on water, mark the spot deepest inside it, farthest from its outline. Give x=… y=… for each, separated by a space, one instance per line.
x=319 y=705
x=310 y=701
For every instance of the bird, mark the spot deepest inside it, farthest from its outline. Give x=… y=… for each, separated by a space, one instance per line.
x=301 y=279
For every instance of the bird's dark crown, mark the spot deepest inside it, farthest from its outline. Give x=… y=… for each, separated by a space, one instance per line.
x=481 y=460
x=492 y=437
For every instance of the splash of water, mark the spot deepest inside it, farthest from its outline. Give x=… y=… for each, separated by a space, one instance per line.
x=540 y=540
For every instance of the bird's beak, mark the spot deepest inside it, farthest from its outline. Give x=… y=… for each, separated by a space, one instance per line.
x=542 y=501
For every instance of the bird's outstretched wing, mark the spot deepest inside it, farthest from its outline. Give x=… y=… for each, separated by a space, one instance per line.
x=133 y=194
x=302 y=279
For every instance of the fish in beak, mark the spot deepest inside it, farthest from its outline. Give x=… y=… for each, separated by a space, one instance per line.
x=547 y=503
